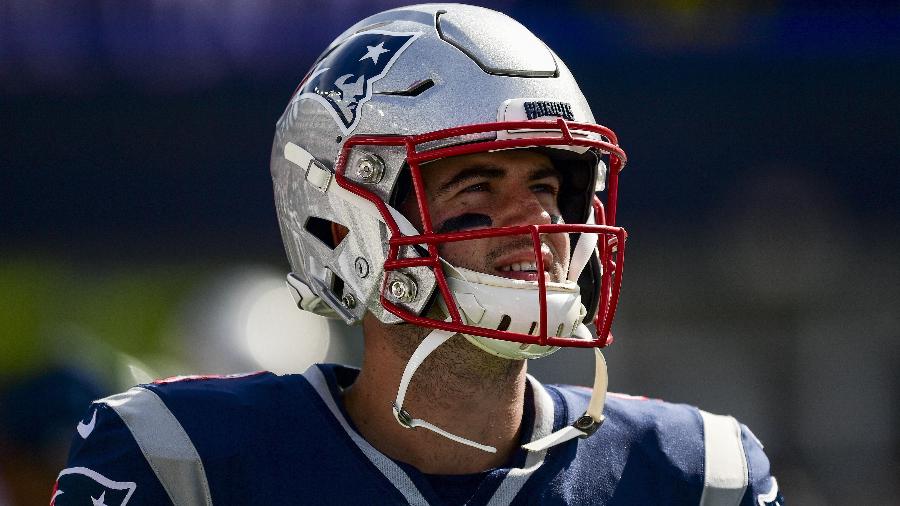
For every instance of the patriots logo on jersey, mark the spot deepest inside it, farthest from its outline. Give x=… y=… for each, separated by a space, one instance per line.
x=80 y=485
x=343 y=80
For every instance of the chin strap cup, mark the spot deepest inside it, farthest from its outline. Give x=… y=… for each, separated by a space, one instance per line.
x=425 y=348
x=590 y=421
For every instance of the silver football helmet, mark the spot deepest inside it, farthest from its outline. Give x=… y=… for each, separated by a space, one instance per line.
x=416 y=84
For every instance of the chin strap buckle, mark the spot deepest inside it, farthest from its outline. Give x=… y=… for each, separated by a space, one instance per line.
x=587 y=425
x=402 y=416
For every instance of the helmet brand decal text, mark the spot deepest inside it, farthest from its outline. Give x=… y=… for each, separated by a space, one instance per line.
x=543 y=109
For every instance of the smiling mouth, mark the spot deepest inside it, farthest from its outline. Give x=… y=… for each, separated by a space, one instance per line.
x=519 y=267
x=518 y=261
x=522 y=270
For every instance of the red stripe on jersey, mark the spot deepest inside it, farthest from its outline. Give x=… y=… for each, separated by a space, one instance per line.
x=193 y=377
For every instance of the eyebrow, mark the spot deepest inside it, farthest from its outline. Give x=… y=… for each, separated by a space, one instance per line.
x=492 y=172
x=543 y=172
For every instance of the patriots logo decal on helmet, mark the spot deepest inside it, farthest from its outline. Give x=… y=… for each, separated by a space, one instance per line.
x=343 y=79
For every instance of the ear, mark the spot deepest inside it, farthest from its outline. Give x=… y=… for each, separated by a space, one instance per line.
x=338 y=232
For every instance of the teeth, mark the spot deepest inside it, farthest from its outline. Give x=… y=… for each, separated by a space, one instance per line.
x=520 y=266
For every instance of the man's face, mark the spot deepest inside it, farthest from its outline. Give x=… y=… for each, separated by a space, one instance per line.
x=500 y=189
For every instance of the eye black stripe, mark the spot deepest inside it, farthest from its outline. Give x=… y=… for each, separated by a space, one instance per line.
x=464 y=221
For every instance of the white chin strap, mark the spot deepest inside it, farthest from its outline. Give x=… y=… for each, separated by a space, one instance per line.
x=584 y=426
x=429 y=344
x=581 y=253
x=590 y=421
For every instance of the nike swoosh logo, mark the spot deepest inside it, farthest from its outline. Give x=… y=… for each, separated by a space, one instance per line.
x=85 y=429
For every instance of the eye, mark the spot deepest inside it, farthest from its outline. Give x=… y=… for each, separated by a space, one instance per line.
x=548 y=188
x=476 y=188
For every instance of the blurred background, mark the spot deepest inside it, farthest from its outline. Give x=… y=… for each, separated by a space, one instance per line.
x=138 y=237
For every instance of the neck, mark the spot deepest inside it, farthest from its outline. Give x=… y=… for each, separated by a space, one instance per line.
x=458 y=387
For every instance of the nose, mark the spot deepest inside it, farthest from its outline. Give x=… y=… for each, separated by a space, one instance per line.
x=522 y=208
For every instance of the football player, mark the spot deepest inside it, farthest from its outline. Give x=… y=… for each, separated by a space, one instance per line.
x=439 y=179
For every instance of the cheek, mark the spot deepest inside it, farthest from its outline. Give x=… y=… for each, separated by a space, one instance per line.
x=458 y=249
x=561 y=247
x=469 y=254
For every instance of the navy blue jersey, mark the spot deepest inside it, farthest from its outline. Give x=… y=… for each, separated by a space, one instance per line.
x=268 y=439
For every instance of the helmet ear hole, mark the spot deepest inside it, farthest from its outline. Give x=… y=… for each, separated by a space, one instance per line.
x=338 y=232
x=329 y=233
